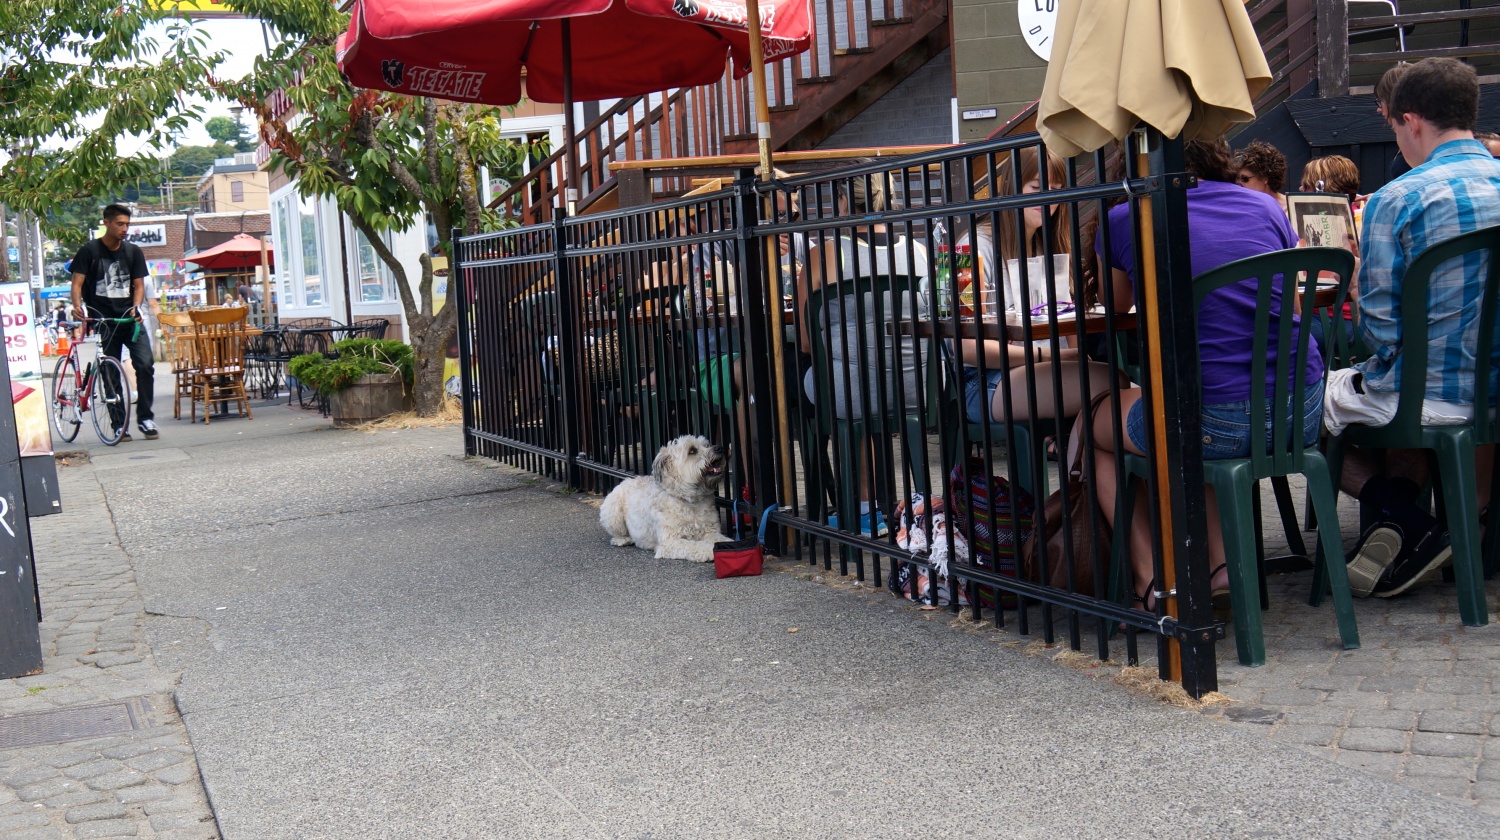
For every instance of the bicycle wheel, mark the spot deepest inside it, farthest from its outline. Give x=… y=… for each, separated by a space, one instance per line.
x=66 y=418
x=110 y=390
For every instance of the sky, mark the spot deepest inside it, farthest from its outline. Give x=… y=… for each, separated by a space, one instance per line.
x=243 y=41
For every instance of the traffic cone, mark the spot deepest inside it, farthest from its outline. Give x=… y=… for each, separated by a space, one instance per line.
x=63 y=345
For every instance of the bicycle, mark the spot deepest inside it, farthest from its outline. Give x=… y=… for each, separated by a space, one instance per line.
x=78 y=388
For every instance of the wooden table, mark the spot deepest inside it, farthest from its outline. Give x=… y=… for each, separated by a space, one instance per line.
x=1014 y=328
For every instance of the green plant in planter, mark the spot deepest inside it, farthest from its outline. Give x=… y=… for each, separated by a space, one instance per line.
x=356 y=357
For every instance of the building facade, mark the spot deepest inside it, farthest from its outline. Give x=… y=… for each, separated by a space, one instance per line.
x=234 y=184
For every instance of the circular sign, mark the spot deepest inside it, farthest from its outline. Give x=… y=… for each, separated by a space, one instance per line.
x=1038 y=19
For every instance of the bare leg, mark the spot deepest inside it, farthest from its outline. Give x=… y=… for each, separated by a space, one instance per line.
x=1107 y=484
x=1046 y=403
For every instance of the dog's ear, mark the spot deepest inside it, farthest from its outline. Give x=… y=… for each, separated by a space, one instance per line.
x=664 y=467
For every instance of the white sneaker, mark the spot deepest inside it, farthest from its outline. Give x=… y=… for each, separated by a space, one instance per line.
x=148 y=428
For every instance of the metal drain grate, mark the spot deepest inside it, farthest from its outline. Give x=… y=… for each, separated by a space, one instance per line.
x=72 y=724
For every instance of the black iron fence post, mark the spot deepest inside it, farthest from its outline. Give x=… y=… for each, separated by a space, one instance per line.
x=755 y=300
x=458 y=290
x=568 y=352
x=1185 y=539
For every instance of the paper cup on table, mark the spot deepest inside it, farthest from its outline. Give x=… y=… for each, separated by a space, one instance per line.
x=1036 y=283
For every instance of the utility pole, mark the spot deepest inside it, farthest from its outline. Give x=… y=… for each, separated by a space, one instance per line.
x=23 y=246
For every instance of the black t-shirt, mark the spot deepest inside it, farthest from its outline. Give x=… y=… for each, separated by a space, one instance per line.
x=107 y=277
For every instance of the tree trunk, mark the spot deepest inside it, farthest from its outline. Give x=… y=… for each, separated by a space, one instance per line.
x=430 y=346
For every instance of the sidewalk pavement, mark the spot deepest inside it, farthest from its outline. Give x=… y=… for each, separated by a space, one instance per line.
x=366 y=635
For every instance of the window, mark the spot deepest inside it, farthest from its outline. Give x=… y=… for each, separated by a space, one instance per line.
x=237 y=191
x=312 y=253
x=281 y=233
x=375 y=279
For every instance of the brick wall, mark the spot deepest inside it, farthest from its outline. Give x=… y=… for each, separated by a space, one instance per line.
x=918 y=111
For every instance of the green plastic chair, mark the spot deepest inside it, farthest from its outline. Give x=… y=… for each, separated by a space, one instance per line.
x=880 y=293
x=1236 y=479
x=1453 y=445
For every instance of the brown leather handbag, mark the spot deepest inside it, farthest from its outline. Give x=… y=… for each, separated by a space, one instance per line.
x=1046 y=556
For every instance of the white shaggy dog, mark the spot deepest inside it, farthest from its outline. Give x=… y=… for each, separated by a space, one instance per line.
x=671 y=510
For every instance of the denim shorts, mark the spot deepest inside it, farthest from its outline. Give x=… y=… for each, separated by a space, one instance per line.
x=1226 y=426
x=978 y=393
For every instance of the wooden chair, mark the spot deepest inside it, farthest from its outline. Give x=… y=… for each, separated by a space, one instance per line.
x=218 y=377
x=177 y=347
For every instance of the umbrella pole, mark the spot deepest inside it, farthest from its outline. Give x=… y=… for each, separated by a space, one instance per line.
x=1154 y=373
x=570 y=145
x=773 y=257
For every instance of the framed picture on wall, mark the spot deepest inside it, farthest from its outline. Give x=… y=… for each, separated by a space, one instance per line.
x=1323 y=219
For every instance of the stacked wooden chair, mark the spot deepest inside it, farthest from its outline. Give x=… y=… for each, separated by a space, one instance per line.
x=217 y=376
x=177 y=348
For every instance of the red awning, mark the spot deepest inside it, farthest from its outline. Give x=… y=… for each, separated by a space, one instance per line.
x=241 y=252
x=474 y=50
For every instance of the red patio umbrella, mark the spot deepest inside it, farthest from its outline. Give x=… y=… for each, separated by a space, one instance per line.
x=242 y=251
x=477 y=50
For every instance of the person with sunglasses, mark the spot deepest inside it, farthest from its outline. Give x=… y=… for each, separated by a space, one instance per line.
x=1262 y=167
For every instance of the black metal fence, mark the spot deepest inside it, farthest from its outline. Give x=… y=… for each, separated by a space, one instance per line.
x=867 y=341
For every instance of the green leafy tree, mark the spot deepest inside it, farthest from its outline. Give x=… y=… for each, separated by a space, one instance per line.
x=80 y=79
x=229 y=132
x=193 y=161
x=389 y=161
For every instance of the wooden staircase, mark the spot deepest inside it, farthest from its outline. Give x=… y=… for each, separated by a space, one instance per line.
x=861 y=50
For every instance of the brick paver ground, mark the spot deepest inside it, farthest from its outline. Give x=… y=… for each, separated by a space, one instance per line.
x=142 y=783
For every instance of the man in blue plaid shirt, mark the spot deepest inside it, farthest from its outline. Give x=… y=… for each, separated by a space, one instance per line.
x=1453 y=188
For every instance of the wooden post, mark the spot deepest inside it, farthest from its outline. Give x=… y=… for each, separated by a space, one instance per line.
x=1333 y=48
x=1301 y=40
x=773 y=296
x=265 y=283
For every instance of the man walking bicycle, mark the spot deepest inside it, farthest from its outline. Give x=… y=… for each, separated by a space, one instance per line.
x=109 y=280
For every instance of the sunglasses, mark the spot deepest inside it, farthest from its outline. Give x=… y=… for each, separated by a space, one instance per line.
x=1063 y=308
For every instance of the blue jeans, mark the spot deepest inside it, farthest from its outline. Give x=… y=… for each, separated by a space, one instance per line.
x=1226 y=426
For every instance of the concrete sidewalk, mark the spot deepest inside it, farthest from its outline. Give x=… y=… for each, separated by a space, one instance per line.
x=368 y=636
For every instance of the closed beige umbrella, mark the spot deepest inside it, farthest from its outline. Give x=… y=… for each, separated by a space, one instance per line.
x=1188 y=67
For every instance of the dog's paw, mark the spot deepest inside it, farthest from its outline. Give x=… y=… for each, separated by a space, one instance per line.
x=702 y=553
x=621 y=541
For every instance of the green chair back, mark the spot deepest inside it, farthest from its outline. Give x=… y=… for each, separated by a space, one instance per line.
x=1453 y=446
x=876 y=404
x=1478 y=250
x=1235 y=480
x=1299 y=268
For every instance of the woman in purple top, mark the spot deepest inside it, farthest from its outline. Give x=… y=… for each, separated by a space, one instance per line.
x=1226 y=222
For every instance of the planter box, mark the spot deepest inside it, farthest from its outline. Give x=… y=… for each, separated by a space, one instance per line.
x=371 y=397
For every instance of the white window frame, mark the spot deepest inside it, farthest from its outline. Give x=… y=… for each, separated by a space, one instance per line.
x=356 y=269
